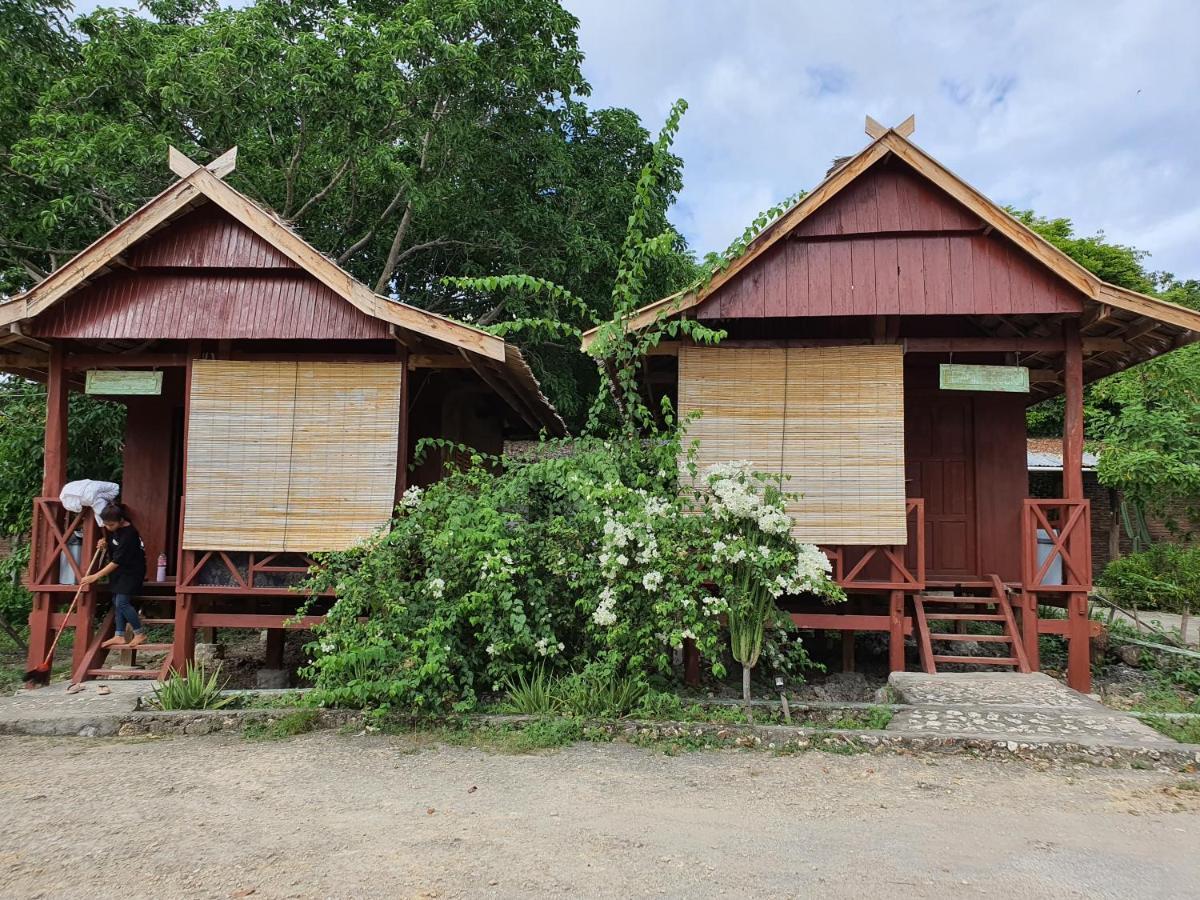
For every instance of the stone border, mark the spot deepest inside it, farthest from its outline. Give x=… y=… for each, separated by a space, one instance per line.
x=779 y=738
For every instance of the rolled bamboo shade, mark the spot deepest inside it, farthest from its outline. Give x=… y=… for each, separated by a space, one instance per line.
x=831 y=419
x=290 y=456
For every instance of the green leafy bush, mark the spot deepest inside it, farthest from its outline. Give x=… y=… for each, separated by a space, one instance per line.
x=1167 y=576
x=194 y=689
x=586 y=556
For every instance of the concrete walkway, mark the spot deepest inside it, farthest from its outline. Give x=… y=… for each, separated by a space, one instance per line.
x=51 y=710
x=1008 y=706
x=1163 y=621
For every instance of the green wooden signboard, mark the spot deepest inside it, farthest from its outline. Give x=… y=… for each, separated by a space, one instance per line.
x=1012 y=379
x=124 y=382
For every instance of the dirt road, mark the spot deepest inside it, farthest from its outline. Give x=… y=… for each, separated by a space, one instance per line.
x=325 y=815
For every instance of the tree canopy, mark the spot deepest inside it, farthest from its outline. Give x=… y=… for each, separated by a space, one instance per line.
x=409 y=142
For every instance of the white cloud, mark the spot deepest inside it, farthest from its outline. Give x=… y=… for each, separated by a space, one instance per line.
x=1078 y=109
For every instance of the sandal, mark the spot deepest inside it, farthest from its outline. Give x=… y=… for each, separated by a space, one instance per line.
x=104 y=690
x=74 y=688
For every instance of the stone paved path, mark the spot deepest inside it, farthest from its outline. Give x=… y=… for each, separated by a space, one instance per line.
x=63 y=713
x=1012 y=706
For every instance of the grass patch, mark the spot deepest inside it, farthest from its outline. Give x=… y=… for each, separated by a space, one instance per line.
x=876 y=718
x=12 y=669
x=301 y=721
x=1186 y=731
x=288 y=700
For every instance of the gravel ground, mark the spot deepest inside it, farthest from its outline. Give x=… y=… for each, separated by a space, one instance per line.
x=327 y=815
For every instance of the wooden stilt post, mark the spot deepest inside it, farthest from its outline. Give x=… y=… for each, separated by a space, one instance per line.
x=1073 y=413
x=1029 y=629
x=896 y=632
x=402 y=438
x=1079 y=658
x=54 y=465
x=273 y=658
x=183 y=647
x=1079 y=670
x=54 y=476
x=848 y=650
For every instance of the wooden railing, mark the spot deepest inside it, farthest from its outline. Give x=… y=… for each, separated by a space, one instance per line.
x=50 y=535
x=1066 y=525
x=862 y=567
x=247 y=578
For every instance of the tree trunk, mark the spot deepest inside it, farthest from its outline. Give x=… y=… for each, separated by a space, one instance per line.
x=746 y=693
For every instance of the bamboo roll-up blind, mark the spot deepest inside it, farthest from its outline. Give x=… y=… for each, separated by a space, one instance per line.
x=290 y=456
x=830 y=419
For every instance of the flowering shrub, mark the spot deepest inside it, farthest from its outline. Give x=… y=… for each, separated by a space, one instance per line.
x=593 y=558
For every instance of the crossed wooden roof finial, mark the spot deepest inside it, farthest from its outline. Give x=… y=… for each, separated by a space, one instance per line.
x=182 y=166
x=904 y=129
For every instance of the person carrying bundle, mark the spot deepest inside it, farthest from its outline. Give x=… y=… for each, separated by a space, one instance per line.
x=125 y=556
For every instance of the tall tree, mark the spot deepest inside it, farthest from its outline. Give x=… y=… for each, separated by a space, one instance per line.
x=408 y=141
x=1147 y=418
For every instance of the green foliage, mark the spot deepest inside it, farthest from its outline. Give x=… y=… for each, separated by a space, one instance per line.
x=301 y=721
x=534 y=694
x=408 y=141
x=590 y=552
x=1167 y=576
x=587 y=695
x=194 y=689
x=1186 y=731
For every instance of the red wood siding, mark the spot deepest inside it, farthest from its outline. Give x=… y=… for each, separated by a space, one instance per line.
x=890 y=244
x=889 y=199
x=207 y=304
x=207 y=238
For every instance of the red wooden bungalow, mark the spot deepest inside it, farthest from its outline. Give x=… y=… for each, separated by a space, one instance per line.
x=885 y=337
x=274 y=416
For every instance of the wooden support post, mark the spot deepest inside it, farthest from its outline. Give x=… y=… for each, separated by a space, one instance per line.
x=40 y=631
x=896 y=632
x=85 y=616
x=848 y=650
x=273 y=659
x=402 y=436
x=1079 y=660
x=54 y=468
x=1029 y=629
x=183 y=648
x=691 y=663
x=1073 y=415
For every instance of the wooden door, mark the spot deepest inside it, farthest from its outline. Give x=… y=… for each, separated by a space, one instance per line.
x=940 y=454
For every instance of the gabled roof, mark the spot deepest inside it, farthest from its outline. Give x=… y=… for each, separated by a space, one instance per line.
x=199 y=184
x=1112 y=312
x=498 y=364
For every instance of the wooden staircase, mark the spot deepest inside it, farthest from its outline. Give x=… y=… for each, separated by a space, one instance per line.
x=960 y=607
x=93 y=665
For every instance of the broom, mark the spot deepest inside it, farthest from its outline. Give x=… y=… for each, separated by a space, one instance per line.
x=40 y=674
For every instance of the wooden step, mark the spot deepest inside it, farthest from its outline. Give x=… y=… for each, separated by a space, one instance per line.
x=1007 y=662
x=980 y=638
x=122 y=673
x=146 y=621
x=962 y=617
x=987 y=600
x=141 y=648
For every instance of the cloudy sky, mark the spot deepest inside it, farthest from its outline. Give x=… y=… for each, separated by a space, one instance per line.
x=1080 y=109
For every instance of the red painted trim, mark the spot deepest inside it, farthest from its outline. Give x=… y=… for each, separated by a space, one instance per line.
x=1073 y=413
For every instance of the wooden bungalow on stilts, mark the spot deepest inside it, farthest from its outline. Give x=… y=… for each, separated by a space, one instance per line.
x=885 y=337
x=277 y=407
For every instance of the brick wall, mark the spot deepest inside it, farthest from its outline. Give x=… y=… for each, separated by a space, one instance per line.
x=1173 y=526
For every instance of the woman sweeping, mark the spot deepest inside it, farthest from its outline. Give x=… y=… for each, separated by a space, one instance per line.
x=126 y=562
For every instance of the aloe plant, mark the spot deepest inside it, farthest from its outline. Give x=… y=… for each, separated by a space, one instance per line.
x=194 y=689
